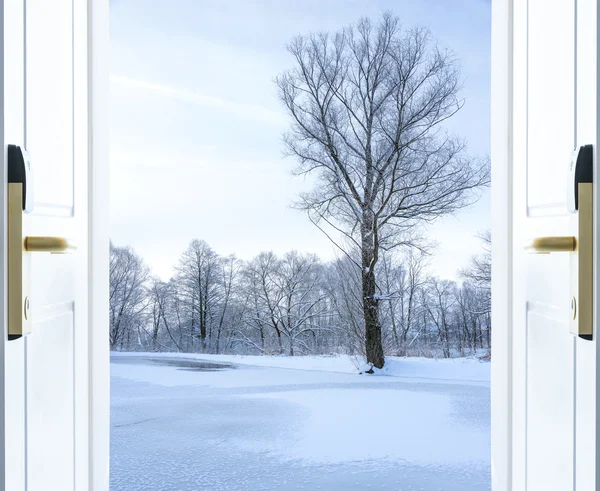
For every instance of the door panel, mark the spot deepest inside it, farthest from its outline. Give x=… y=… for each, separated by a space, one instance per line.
x=549 y=426
x=49 y=101
x=550 y=100
x=47 y=390
x=50 y=443
x=553 y=372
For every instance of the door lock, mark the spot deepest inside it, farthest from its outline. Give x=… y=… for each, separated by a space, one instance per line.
x=580 y=247
x=20 y=247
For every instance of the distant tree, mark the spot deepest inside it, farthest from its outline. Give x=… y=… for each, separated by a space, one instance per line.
x=479 y=274
x=440 y=308
x=163 y=304
x=400 y=282
x=265 y=296
x=198 y=283
x=252 y=332
x=479 y=271
x=128 y=277
x=367 y=106
x=229 y=269
x=301 y=304
x=343 y=284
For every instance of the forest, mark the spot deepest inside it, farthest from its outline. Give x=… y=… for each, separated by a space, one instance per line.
x=297 y=304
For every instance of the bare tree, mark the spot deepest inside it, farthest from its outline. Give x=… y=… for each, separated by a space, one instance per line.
x=229 y=269
x=163 y=303
x=128 y=296
x=343 y=284
x=440 y=309
x=367 y=106
x=479 y=271
x=198 y=283
x=265 y=296
x=400 y=283
x=301 y=304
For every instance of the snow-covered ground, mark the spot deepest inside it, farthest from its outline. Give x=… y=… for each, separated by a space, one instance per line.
x=301 y=423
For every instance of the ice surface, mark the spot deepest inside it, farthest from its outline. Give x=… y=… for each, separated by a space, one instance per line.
x=248 y=428
x=465 y=370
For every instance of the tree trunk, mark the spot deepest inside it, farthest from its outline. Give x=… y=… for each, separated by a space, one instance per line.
x=262 y=340
x=279 y=340
x=394 y=329
x=374 y=348
x=404 y=351
x=203 y=330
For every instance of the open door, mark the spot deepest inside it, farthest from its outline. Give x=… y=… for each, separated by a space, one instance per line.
x=544 y=375
x=54 y=382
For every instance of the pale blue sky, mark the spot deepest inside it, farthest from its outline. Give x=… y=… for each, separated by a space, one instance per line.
x=196 y=147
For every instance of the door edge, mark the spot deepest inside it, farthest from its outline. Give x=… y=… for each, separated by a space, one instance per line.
x=98 y=239
x=502 y=249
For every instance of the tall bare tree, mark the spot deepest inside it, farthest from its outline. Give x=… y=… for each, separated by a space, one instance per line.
x=367 y=106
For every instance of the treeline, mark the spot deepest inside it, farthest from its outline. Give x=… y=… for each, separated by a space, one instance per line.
x=295 y=305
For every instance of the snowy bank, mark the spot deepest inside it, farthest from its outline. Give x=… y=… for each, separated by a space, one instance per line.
x=455 y=369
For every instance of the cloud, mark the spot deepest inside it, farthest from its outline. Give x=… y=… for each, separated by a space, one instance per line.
x=250 y=111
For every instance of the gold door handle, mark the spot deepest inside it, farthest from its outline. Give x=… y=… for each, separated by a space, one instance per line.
x=546 y=245
x=54 y=245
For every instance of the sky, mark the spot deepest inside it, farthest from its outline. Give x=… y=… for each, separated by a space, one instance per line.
x=196 y=125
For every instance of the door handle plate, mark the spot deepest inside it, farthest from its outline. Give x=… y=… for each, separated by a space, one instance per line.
x=20 y=248
x=581 y=266
x=581 y=256
x=19 y=267
x=580 y=248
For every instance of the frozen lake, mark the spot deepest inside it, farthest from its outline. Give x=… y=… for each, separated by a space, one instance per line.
x=184 y=424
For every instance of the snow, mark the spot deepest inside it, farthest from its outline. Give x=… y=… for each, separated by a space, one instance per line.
x=305 y=423
x=465 y=370
x=340 y=413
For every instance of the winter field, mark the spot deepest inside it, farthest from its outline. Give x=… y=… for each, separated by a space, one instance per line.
x=250 y=423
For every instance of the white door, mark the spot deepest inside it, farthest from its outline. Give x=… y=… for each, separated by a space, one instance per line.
x=49 y=382
x=550 y=388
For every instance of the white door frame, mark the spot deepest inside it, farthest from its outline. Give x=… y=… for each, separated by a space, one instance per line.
x=501 y=152
x=98 y=193
x=98 y=234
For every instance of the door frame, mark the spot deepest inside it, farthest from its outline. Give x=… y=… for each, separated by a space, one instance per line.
x=502 y=250
x=98 y=237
